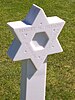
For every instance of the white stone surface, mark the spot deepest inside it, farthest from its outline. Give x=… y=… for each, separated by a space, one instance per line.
x=36 y=37
x=24 y=31
x=33 y=81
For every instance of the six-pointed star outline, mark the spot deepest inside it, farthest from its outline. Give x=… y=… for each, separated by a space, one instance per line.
x=24 y=31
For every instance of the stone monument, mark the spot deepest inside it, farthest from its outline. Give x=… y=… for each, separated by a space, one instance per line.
x=36 y=37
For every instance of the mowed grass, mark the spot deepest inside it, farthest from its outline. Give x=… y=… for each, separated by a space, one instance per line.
x=61 y=67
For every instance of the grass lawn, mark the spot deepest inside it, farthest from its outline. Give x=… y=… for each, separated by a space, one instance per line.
x=60 y=68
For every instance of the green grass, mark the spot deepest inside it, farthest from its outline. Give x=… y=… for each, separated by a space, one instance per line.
x=61 y=67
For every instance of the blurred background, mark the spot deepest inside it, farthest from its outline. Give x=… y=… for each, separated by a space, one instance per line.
x=60 y=68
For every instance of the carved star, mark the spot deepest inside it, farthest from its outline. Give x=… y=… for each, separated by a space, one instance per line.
x=35 y=37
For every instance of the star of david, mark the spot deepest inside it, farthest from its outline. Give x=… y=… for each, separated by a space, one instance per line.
x=35 y=37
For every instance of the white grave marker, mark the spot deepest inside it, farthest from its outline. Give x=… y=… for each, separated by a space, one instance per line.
x=35 y=38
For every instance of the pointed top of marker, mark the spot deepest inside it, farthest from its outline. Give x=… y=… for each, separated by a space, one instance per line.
x=34 y=14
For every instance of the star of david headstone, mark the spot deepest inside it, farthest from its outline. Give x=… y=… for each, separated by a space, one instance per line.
x=35 y=39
